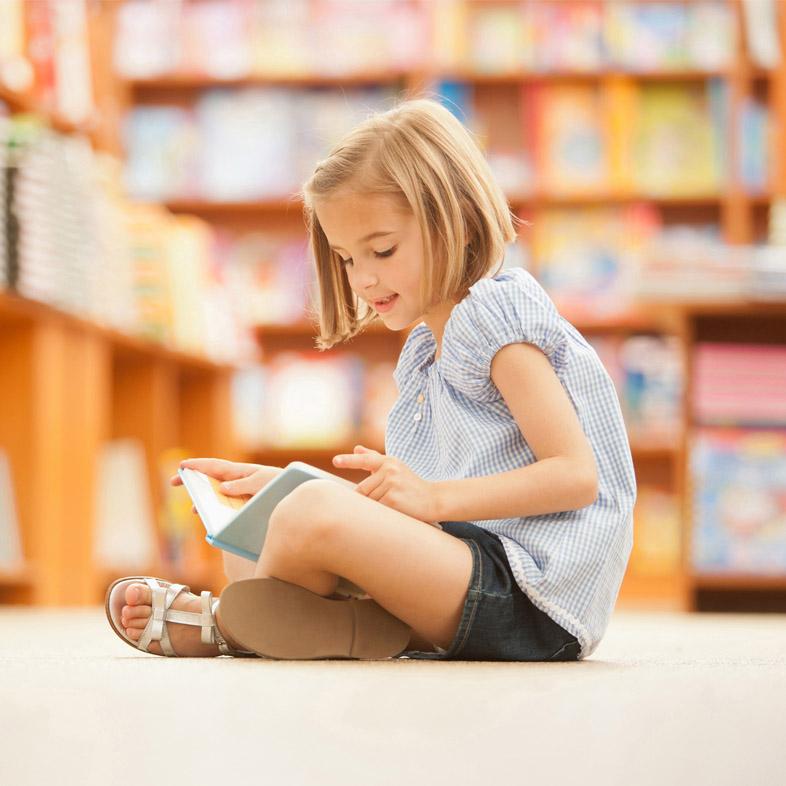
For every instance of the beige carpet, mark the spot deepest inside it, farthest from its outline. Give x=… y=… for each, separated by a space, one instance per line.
x=665 y=699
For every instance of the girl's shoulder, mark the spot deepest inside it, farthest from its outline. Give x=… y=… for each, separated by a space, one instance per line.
x=507 y=308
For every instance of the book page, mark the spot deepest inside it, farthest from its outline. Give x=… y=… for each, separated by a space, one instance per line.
x=215 y=509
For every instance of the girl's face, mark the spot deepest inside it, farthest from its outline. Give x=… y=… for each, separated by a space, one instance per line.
x=381 y=250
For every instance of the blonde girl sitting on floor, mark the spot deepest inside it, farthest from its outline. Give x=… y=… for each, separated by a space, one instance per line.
x=497 y=525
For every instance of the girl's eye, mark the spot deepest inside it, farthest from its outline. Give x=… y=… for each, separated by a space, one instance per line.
x=388 y=253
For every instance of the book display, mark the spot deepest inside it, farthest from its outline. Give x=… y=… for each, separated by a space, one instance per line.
x=638 y=139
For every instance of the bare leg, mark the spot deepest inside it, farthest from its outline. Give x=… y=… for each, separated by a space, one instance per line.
x=417 y=572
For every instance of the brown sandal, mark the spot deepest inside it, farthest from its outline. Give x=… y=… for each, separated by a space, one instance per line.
x=279 y=620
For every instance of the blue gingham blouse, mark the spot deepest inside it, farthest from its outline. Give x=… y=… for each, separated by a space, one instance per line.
x=450 y=421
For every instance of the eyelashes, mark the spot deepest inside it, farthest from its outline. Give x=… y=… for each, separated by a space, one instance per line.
x=378 y=255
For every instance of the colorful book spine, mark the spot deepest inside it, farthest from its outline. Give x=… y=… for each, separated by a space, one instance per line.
x=740 y=384
x=738 y=480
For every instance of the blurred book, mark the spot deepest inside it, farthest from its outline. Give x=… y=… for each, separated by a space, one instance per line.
x=229 y=39
x=738 y=478
x=656 y=533
x=588 y=260
x=162 y=150
x=11 y=554
x=272 y=276
x=676 y=149
x=248 y=415
x=568 y=36
x=739 y=384
x=569 y=138
x=670 y=35
x=125 y=533
x=499 y=39
x=147 y=39
x=16 y=71
x=242 y=144
x=312 y=401
x=181 y=532
x=647 y=374
x=761 y=31
x=754 y=139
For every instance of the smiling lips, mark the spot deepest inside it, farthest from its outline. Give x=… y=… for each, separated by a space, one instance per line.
x=385 y=304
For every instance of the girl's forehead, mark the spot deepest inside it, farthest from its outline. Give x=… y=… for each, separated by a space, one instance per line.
x=359 y=212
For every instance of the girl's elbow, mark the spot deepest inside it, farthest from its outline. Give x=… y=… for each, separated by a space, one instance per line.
x=590 y=488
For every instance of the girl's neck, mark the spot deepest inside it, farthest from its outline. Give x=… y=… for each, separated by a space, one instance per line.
x=436 y=319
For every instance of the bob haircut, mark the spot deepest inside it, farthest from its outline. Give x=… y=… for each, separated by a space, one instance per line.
x=420 y=155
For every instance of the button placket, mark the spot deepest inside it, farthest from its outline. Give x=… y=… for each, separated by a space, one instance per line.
x=419 y=414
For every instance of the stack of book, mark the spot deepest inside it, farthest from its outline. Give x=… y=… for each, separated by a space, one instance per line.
x=738 y=461
x=588 y=35
x=739 y=384
x=73 y=240
x=232 y=39
x=239 y=145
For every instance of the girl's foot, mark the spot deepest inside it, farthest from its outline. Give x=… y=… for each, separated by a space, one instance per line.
x=186 y=639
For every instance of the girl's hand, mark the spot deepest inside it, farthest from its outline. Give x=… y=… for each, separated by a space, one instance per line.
x=239 y=480
x=392 y=483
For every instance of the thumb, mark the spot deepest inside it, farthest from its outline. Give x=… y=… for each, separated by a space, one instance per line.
x=363 y=449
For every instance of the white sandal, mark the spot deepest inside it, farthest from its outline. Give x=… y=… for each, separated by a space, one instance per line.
x=164 y=594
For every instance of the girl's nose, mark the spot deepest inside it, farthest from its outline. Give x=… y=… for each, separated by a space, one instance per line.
x=368 y=280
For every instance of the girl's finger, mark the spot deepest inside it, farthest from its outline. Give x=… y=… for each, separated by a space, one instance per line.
x=370 y=484
x=175 y=480
x=250 y=484
x=220 y=468
x=379 y=492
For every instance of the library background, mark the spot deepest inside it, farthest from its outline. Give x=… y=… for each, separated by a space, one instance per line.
x=156 y=290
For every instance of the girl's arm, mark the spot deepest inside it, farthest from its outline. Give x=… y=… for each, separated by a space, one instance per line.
x=564 y=477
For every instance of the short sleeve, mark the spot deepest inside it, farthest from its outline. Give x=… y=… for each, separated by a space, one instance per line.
x=508 y=309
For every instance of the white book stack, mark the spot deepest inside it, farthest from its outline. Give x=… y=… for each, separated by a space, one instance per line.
x=125 y=536
x=11 y=557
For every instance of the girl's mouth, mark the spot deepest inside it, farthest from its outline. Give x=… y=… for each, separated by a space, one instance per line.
x=386 y=304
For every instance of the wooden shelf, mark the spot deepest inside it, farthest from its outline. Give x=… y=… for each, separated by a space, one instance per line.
x=17 y=309
x=738 y=581
x=197 y=82
x=23 y=577
x=204 y=82
x=294 y=204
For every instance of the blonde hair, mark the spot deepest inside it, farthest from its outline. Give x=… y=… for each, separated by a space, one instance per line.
x=420 y=155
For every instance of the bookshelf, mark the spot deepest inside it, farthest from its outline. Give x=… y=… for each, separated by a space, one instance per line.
x=134 y=383
x=70 y=384
x=500 y=103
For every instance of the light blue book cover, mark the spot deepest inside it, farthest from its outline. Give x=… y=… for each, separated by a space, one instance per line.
x=240 y=528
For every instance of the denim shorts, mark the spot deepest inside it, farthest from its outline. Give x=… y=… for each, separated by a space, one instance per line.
x=499 y=621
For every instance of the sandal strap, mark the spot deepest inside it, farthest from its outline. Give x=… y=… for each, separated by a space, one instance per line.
x=210 y=607
x=156 y=628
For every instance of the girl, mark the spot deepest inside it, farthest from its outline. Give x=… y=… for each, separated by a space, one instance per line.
x=498 y=523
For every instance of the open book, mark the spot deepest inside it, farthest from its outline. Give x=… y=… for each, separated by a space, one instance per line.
x=240 y=527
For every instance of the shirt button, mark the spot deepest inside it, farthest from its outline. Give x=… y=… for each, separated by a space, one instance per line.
x=417 y=416
x=421 y=398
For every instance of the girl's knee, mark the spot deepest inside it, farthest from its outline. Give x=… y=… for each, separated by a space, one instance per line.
x=305 y=514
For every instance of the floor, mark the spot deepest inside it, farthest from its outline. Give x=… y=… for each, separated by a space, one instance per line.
x=666 y=698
